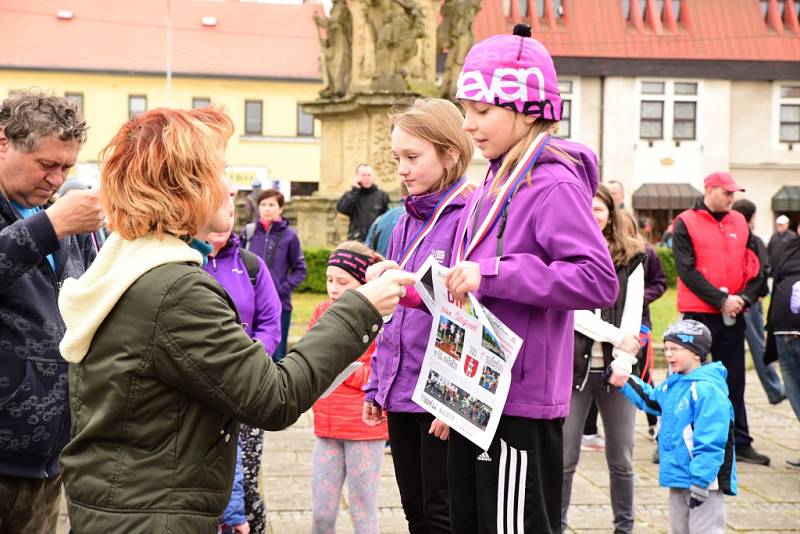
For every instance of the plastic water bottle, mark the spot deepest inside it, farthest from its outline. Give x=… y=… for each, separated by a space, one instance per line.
x=727 y=320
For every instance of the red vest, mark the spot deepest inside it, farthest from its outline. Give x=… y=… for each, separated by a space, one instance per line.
x=721 y=255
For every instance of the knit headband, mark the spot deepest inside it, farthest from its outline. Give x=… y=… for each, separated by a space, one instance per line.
x=353 y=263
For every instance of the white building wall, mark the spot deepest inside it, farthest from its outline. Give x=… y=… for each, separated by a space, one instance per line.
x=619 y=132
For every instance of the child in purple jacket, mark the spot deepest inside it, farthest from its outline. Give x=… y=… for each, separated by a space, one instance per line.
x=432 y=152
x=528 y=248
x=259 y=309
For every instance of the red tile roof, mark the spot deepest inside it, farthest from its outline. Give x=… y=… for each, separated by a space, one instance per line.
x=726 y=30
x=249 y=39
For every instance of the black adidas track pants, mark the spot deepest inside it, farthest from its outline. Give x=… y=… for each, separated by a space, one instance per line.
x=515 y=486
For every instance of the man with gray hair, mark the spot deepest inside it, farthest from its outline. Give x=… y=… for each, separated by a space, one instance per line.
x=41 y=244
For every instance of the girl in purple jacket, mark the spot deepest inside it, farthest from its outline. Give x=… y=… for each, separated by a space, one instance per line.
x=259 y=309
x=432 y=152
x=528 y=248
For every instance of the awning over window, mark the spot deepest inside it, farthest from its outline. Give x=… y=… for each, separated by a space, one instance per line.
x=786 y=199
x=665 y=197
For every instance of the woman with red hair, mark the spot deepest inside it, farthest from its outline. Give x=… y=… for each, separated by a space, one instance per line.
x=162 y=371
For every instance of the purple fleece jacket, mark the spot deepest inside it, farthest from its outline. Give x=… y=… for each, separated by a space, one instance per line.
x=259 y=308
x=554 y=260
x=288 y=267
x=401 y=347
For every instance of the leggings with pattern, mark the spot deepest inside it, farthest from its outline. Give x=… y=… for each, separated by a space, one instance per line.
x=252 y=440
x=360 y=462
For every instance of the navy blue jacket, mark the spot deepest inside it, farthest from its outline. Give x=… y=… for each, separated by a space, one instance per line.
x=34 y=414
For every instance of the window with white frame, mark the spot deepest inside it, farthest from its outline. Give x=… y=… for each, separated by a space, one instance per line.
x=789 y=114
x=137 y=104
x=305 y=123
x=565 y=126
x=668 y=110
x=75 y=98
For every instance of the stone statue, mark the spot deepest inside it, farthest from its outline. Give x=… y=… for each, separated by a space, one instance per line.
x=336 y=48
x=455 y=37
x=396 y=26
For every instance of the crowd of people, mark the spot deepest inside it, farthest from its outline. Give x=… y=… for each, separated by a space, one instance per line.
x=140 y=371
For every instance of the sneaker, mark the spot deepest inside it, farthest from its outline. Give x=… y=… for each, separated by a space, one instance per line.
x=593 y=443
x=655 y=459
x=793 y=463
x=387 y=448
x=749 y=455
x=652 y=433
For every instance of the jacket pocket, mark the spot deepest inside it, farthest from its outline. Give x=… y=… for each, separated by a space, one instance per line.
x=35 y=409
x=224 y=437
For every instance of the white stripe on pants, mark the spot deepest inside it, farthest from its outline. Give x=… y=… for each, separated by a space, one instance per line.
x=508 y=494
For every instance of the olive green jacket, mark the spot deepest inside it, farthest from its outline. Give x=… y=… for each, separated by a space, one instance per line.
x=156 y=402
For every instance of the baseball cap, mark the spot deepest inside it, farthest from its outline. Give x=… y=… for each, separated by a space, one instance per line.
x=783 y=219
x=723 y=180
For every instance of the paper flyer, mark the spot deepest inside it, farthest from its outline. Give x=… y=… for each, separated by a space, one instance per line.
x=466 y=373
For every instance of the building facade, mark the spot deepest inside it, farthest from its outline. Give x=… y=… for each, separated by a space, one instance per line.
x=668 y=91
x=257 y=61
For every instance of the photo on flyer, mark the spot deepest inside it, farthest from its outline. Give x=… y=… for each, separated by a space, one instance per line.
x=458 y=400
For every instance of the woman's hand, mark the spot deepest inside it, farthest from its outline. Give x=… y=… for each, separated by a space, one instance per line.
x=372 y=415
x=385 y=292
x=439 y=429
x=463 y=278
x=629 y=344
x=374 y=271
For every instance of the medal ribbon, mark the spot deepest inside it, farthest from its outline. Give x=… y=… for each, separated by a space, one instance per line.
x=503 y=198
x=455 y=190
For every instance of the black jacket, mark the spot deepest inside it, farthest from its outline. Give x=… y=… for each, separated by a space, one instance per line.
x=582 y=351
x=363 y=206
x=34 y=415
x=785 y=274
x=685 y=261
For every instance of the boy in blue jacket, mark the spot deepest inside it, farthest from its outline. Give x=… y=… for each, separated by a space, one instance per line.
x=234 y=521
x=695 y=442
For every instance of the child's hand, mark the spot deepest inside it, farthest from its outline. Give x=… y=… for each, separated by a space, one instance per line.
x=464 y=278
x=618 y=378
x=697 y=496
x=372 y=415
x=439 y=429
x=377 y=269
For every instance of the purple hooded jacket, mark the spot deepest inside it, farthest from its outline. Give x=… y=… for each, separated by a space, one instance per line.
x=286 y=262
x=554 y=260
x=259 y=308
x=401 y=347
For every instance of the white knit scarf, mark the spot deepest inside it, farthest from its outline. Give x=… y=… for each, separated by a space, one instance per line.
x=85 y=302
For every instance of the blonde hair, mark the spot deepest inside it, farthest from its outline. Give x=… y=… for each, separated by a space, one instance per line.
x=162 y=172
x=360 y=248
x=515 y=153
x=439 y=122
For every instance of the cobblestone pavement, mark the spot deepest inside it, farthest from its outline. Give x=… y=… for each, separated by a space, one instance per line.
x=768 y=500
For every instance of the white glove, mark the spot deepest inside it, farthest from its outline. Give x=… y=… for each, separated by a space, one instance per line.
x=623 y=362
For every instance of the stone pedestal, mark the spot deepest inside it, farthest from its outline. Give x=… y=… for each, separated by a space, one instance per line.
x=355 y=130
x=317 y=223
